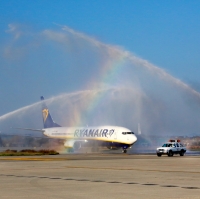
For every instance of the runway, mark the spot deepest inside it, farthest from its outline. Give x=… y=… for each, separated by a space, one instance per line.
x=100 y=176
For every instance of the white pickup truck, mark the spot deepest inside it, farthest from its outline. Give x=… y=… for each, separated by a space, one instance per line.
x=170 y=148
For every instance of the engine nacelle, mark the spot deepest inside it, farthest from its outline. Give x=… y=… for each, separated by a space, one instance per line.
x=77 y=145
x=74 y=144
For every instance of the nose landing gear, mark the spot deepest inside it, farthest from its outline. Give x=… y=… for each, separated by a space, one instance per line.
x=124 y=150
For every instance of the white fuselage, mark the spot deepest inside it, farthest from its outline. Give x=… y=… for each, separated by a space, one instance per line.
x=100 y=133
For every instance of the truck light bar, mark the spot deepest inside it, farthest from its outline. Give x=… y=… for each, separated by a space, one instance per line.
x=174 y=141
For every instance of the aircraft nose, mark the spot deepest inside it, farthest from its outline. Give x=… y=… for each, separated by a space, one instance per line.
x=134 y=138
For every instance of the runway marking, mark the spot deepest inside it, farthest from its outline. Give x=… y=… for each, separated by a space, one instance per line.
x=150 y=184
x=190 y=187
x=169 y=186
x=114 y=182
x=100 y=181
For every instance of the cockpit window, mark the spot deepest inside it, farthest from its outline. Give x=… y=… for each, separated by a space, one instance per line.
x=124 y=133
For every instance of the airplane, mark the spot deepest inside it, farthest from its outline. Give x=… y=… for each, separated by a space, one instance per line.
x=113 y=137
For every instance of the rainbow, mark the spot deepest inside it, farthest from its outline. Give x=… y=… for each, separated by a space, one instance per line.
x=108 y=76
x=110 y=70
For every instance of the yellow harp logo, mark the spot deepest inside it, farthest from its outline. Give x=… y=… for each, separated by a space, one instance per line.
x=45 y=113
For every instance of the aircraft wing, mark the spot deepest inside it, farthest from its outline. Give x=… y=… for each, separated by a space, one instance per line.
x=25 y=136
x=40 y=130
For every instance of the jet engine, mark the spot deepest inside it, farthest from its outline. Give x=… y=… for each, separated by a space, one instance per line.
x=74 y=145
x=77 y=145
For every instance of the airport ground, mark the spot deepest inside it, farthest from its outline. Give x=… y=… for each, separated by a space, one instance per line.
x=89 y=176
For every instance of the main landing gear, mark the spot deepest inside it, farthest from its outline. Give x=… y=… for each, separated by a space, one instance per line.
x=124 y=150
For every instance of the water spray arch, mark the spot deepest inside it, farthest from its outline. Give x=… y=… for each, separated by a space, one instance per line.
x=122 y=89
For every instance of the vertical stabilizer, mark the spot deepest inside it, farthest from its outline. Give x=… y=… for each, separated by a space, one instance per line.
x=47 y=119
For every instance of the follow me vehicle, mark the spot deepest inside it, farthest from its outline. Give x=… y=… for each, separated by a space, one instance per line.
x=170 y=148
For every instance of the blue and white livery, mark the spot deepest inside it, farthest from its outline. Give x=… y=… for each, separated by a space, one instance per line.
x=113 y=137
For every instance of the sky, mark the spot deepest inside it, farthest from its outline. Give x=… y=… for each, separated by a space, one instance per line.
x=55 y=47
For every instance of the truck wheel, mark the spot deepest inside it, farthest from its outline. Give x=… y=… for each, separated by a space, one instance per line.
x=159 y=154
x=170 y=153
x=182 y=153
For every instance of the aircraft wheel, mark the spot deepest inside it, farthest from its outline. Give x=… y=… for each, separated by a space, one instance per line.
x=124 y=151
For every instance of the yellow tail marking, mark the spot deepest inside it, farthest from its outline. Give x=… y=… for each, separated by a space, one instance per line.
x=45 y=113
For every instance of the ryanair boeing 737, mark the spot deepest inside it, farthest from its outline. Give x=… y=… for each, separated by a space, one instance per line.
x=113 y=137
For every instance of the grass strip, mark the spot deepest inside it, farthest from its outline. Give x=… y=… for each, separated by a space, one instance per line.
x=28 y=152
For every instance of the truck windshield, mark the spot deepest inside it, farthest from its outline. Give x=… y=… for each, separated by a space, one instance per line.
x=167 y=145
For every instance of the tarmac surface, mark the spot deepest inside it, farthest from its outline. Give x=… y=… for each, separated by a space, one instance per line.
x=89 y=176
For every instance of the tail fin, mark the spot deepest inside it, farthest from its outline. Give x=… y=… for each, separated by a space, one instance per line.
x=47 y=119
